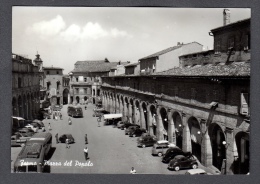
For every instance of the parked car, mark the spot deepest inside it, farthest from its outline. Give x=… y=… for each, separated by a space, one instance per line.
x=137 y=132
x=25 y=132
x=197 y=171
x=180 y=162
x=19 y=139
x=120 y=124
x=33 y=127
x=172 y=152
x=63 y=138
x=146 y=140
x=126 y=125
x=38 y=122
x=131 y=128
x=99 y=112
x=160 y=147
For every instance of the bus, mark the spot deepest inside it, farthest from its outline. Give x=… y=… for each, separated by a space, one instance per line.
x=34 y=152
x=75 y=111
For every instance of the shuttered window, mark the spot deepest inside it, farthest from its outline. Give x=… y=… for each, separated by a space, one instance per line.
x=244 y=104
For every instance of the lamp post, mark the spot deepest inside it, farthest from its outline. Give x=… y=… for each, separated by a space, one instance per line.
x=226 y=144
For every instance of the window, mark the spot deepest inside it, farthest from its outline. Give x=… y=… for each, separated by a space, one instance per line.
x=57 y=72
x=176 y=91
x=48 y=85
x=77 y=79
x=77 y=90
x=48 y=72
x=85 y=90
x=244 y=109
x=85 y=79
x=19 y=82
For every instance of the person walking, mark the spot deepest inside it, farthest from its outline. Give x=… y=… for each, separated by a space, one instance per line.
x=86 y=153
x=53 y=115
x=133 y=171
x=57 y=139
x=70 y=122
x=60 y=116
x=67 y=143
x=86 y=138
x=49 y=127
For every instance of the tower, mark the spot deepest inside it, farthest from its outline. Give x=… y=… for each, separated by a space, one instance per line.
x=38 y=62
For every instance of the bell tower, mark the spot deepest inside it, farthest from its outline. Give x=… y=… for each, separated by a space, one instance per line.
x=38 y=61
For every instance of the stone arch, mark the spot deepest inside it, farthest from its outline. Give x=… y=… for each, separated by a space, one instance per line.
x=241 y=164
x=178 y=124
x=65 y=95
x=196 y=136
x=217 y=136
x=77 y=99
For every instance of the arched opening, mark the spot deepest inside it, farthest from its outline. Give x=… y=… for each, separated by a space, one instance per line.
x=14 y=105
x=164 y=117
x=98 y=92
x=94 y=92
x=154 y=119
x=71 y=99
x=77 y=99
x=137 y=113
x=65 y=95
x=218 y=148
x=25 y=107
x=94 y=101
x=131 y=113
x=123 y=105
x=20 y=107
x=196 y=137
x=145 y=115
x=241 y=165
x=178 y=129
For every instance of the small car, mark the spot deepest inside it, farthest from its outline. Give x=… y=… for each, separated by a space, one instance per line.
x=120 y=124
x=33 y=127
x=25 y=132
x=131 y=128
x=63 y=138
x=126 y=125
x=160 y=147
x=197 y=171
x=38 y=122
x=19 y=139
x=146 y=140
x=172 y=152
x=180 y=162
x=137 y=132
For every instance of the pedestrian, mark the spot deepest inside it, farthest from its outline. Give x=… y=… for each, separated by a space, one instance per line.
x=85 y=107
x=67 y=143
x=57 y=140
x=49 y=127
x=70 y=122
x=86 y=153
x=53 y=115
x=60 y=116
x=133 y=171
x=86 y=138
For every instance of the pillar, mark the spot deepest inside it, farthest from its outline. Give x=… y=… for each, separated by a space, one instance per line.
x=171 y=129
x=149 y=118
x=186 y=140
x=206 y=149
x=159 y=125
x=130 y=113
x=229 y=151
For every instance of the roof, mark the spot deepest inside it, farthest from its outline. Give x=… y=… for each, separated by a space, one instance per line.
x=221 y=69
x=166 y=50
x=52 y=68
x=229 y=25
x=201 y=52
x=132 y=64
x=94 y=66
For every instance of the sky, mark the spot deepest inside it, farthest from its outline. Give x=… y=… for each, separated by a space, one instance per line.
x=64 y=35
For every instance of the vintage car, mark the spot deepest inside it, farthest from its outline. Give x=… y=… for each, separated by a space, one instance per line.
x=181 y=162
x=137 y=132
x=19 y=139
x=63 y=138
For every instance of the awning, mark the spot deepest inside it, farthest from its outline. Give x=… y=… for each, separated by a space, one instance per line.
x=213 y=104
x=18 y=118
x=112 y=116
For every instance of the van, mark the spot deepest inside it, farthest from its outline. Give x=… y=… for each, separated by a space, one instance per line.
x=160 y=147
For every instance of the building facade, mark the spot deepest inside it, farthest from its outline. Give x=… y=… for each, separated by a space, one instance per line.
x=203 y=106
x=168 y=58
x=25 y=88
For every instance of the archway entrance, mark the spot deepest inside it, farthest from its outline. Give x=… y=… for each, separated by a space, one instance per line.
x=196 y=137
x=218 y=148
x=65 y=96
x=164 y=117
x=77 y=99
x=178 y=129
x=154 y=119
x=242 y=164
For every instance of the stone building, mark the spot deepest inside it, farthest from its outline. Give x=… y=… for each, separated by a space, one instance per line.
x=167 y=58
x=86 y=79
x=25 y=87
x=202 y=107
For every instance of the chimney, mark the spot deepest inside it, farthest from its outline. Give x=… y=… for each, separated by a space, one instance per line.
x=178 y=43
x=226 y=17
x=119 y=63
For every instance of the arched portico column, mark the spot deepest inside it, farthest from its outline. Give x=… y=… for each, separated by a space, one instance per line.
x=130 y=113
x=159 y=125
x=171 y=129
x=149 y=118
x=186 y=134
x=142 y=120
x=206 y=149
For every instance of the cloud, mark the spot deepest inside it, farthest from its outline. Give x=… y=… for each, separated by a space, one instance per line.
x=48 y=28
x=117 y=33
x=94 y=31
